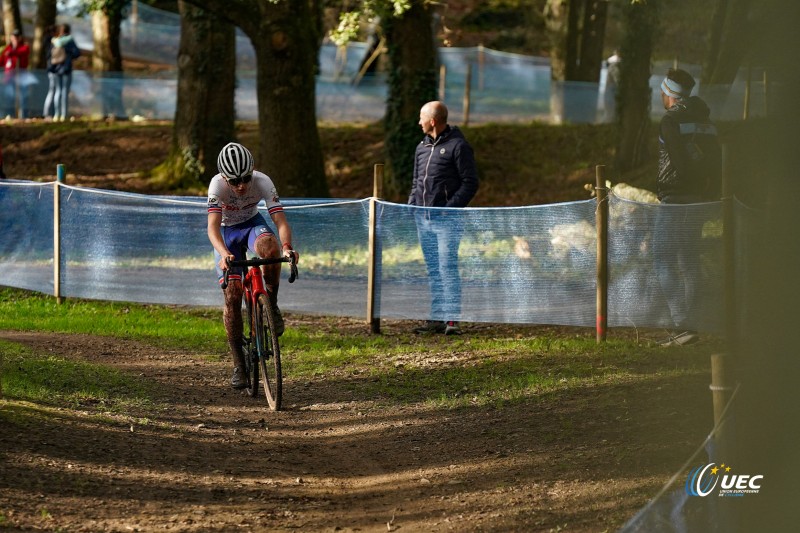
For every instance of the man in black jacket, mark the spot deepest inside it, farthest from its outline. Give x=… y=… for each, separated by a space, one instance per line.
x=445 y=175
x=689 y=171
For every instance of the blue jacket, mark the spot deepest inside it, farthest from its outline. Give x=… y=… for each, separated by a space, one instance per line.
x=445 y=174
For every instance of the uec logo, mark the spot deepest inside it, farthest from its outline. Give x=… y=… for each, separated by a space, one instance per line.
x=703 y=480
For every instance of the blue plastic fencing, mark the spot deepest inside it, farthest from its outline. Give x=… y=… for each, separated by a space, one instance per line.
x=533 y=264
x=505 y=87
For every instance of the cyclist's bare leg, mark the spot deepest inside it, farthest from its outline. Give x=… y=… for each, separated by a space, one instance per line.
x=267 y=246
x=232 y=318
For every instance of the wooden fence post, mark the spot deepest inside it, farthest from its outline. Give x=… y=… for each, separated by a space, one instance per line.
x=60 y=176
x=442 y=82
x=601 y=218
x=723 y=365
x=374 y=263
x=467 y=90
x=481 y=63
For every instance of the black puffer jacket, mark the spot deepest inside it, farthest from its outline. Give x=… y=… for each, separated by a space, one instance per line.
x=689 y=155
x=445 y=174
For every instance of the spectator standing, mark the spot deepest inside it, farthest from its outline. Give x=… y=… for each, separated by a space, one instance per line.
x=612 y=82
x=47 y=46
x=689 y=171
x=15 y=58
x=445 y=176
x=60 y=55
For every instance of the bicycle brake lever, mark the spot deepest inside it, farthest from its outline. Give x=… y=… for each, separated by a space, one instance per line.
x=224 y=284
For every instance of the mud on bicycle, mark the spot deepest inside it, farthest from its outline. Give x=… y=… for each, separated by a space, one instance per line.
x=260 y=346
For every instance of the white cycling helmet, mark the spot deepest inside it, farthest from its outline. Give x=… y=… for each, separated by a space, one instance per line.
x=235 y=161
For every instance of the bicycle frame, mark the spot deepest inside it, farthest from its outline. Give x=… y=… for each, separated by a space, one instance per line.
x=253 y=284
x=260 y=346
x=253 y=280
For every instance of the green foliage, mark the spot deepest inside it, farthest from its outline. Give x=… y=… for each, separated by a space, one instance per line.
x=182 y=171
x=350 y=21
x=348 y=28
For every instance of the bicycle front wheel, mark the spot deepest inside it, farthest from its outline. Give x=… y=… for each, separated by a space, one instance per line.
x=269 y=353
x=250 y=353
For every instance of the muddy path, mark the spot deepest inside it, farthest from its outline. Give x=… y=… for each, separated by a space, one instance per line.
x=205 y=457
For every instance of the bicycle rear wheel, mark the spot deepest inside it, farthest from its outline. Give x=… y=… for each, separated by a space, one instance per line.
x=269 y=353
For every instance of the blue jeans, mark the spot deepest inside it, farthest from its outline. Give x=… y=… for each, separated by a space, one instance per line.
x=49 y=100
x=57 y=95
x=677 y=237
x=11 y=91
x=440 y=236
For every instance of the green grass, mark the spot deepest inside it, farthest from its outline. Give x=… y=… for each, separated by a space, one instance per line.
x=510 y=370
x=482 y=369
x=199 y=330
x=49 y=380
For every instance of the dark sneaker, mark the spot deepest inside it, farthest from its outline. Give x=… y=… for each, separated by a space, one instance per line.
x=451 y=328
x=238 y=381
x=431 y=326
x=681 y=338
x=276 y=314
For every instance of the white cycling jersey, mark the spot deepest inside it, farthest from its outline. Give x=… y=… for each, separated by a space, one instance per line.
x=236 y=209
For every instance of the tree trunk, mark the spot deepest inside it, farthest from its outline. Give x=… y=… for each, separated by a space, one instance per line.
x=204 y=112
x=12 y=19
x=593 y=37
x=714 y=38
x=286 y=52
x=412 y=83
x=285 y=35
x=735 y=39
x=640 y=24
x=555 y=16
x=45 y=17
x=107 y=59
x=577 y=31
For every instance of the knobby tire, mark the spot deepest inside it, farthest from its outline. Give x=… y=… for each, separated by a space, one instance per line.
x=269 y=354
x=251 y=356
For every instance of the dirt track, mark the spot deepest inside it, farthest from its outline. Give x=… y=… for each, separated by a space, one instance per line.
x=333 y=461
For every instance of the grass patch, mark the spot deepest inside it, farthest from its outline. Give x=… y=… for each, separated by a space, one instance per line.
x=50 y=380
x=199 y=330
x=490 y=367
x=498 y=371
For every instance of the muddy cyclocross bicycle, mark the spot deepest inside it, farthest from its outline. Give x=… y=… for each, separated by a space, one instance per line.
x=260 y=347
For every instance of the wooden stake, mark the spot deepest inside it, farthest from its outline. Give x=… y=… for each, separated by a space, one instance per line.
x=601 y=220
x=60 y=176
x=373 y=274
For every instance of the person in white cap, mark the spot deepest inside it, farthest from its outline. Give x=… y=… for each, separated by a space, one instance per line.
x=689 y=171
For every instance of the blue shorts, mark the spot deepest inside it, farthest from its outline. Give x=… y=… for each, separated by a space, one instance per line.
x=239 y=239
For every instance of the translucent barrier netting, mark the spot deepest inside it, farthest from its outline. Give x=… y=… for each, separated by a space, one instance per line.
x=534 y=264
x=505 y=87
x=26 y=242
x=652 y=246
x=517 y=264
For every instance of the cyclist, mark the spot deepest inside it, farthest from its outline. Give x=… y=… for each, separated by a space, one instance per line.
x=235 y=226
